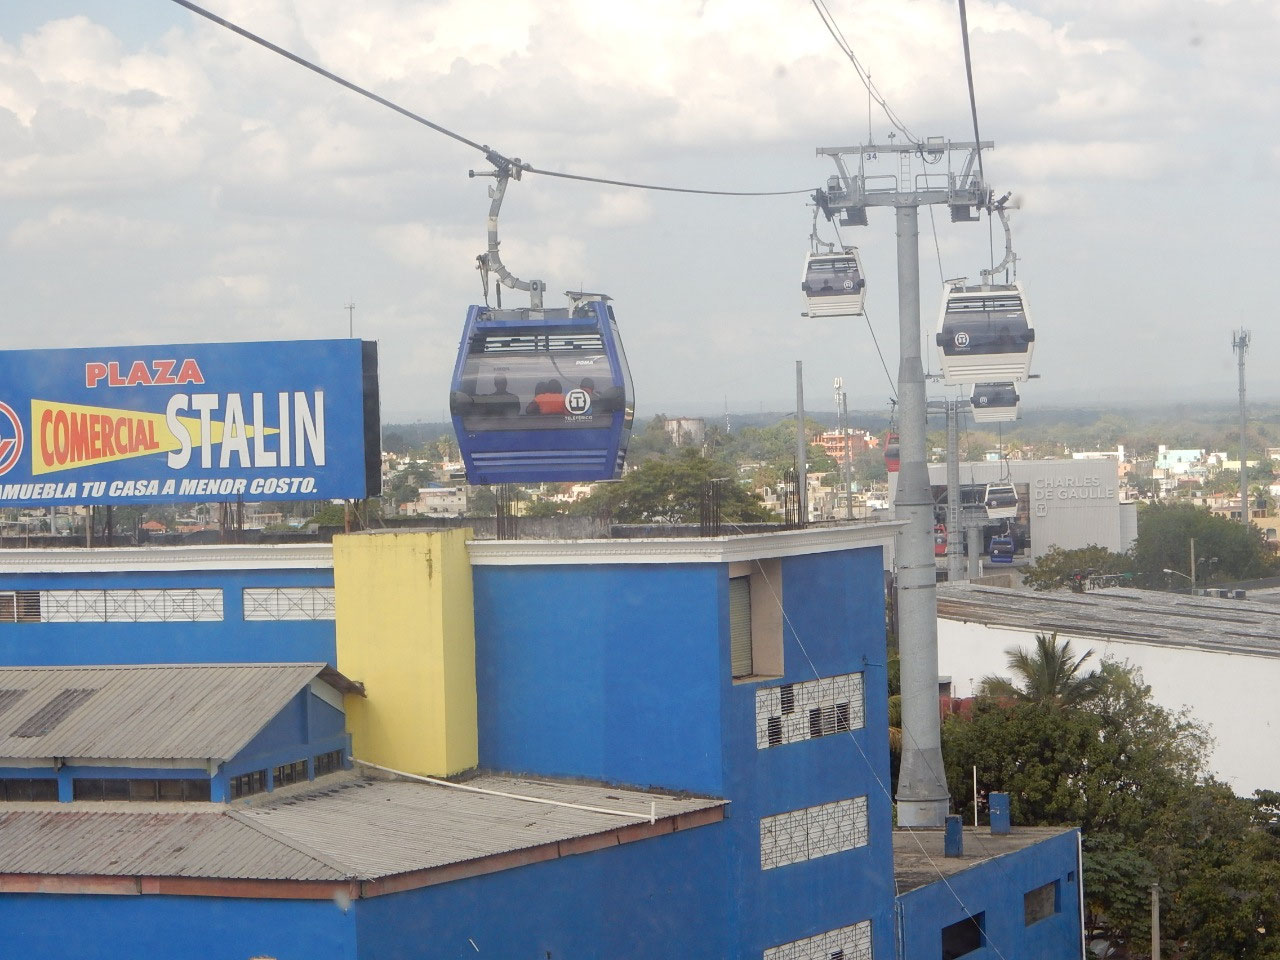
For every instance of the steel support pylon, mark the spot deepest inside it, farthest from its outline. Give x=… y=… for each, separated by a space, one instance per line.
x=922 y=788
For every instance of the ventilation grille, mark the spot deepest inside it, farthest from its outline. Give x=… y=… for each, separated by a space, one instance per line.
x=846 y=943
x=813 y=832
x=288 y=603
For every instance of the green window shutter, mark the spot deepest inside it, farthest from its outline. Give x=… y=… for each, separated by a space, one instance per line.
x=740 y=626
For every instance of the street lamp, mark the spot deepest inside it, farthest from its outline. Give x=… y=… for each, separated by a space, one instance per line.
x=1177 y=573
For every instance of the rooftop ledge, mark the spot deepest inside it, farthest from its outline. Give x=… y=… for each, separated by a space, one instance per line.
x=725 y=549
x=310 y=556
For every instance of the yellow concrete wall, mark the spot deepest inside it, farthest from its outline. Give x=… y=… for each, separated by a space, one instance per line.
x=406 y=630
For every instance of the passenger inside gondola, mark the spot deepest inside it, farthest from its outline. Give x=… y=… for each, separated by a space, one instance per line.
x=827 y=277
x=502 y=402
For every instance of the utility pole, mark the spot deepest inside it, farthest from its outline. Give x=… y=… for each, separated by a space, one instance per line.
x=1155 y=921
x=802 y=449
x=842 y=424
x=848 y=463
x=351 y=319
x=1193 y=566
x=955 y=545
x=1240 y=344
x=922 y=788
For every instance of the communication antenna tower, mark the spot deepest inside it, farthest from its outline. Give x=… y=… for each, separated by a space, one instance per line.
x=1240 y=344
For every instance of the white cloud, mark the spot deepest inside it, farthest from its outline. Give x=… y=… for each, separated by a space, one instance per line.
x=208 y=186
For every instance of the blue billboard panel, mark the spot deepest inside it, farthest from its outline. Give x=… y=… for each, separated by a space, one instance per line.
x=285 y=420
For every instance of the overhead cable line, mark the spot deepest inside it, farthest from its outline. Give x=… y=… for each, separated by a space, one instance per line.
x=968 y=72
x=503 y=163
x=864 y=75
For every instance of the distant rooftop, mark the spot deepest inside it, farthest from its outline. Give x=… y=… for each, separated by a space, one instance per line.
x=918 y=859
x=1149 y=616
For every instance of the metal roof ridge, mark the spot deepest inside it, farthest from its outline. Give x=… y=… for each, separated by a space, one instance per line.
x=346 y=871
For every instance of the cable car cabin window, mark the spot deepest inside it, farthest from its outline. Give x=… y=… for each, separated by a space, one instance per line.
x=826 y=276
x=994 y=395
x=536 y=381
x=978 y=326
x=1002 y=497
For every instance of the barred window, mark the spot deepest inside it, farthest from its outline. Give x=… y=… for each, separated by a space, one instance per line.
x=794 y=712
x=248 y=784
x=328 y=762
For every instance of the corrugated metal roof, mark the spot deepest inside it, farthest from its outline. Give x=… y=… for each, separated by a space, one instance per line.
x=176 y=712
x=1149 y=616
x=380 y=827
x=344 y=827
x=131 y=844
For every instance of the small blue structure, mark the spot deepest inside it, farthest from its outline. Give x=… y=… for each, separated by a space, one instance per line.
x=1013 y=895
x=999 y=805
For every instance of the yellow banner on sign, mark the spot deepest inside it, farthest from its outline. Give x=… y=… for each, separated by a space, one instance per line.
x=66 y=436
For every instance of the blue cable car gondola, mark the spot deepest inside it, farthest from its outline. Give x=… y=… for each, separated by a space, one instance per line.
x=542 y=395
x=1002 y=549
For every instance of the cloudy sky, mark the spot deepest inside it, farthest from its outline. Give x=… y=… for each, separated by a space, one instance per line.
x=163 y=180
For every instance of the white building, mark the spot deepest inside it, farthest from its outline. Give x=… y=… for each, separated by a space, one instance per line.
x=1219 y=658
x=1065 y=503
x=437 y=502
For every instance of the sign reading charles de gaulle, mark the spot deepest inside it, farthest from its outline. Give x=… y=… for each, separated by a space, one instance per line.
x=281 y=420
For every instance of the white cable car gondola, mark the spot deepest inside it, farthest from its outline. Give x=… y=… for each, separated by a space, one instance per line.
x=985 y=333
x=994 y=402
x=833 y=284
x=1001 y=501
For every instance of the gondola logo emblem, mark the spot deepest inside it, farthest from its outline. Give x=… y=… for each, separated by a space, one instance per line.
x=577 y=401
x=848 y=284
x=11 y=438
x=962 y=339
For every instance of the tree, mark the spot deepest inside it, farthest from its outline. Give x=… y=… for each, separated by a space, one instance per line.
x=1058 y=567
x=1130 y=773
x=1049 y=675
x=1165 y=532
x=670 y=490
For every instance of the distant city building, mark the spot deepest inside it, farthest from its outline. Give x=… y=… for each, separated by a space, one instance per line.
x=437 y=502
x=1177 y=461
x=1064 y=503
x=834 y=443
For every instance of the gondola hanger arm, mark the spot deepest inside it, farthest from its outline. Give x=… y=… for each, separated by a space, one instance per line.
x=1010 y=258
x=504 y=170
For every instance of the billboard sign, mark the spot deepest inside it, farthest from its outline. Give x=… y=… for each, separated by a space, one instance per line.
x=285 y=420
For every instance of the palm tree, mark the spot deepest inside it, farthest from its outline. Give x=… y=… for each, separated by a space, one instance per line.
x=1051 y=675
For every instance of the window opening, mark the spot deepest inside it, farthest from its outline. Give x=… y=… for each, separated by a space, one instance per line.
x=1040 y=903
x=963 y=937
x=248 y=784
x=740 y=626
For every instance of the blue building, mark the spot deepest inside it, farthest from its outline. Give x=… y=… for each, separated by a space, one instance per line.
x=599 y=748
